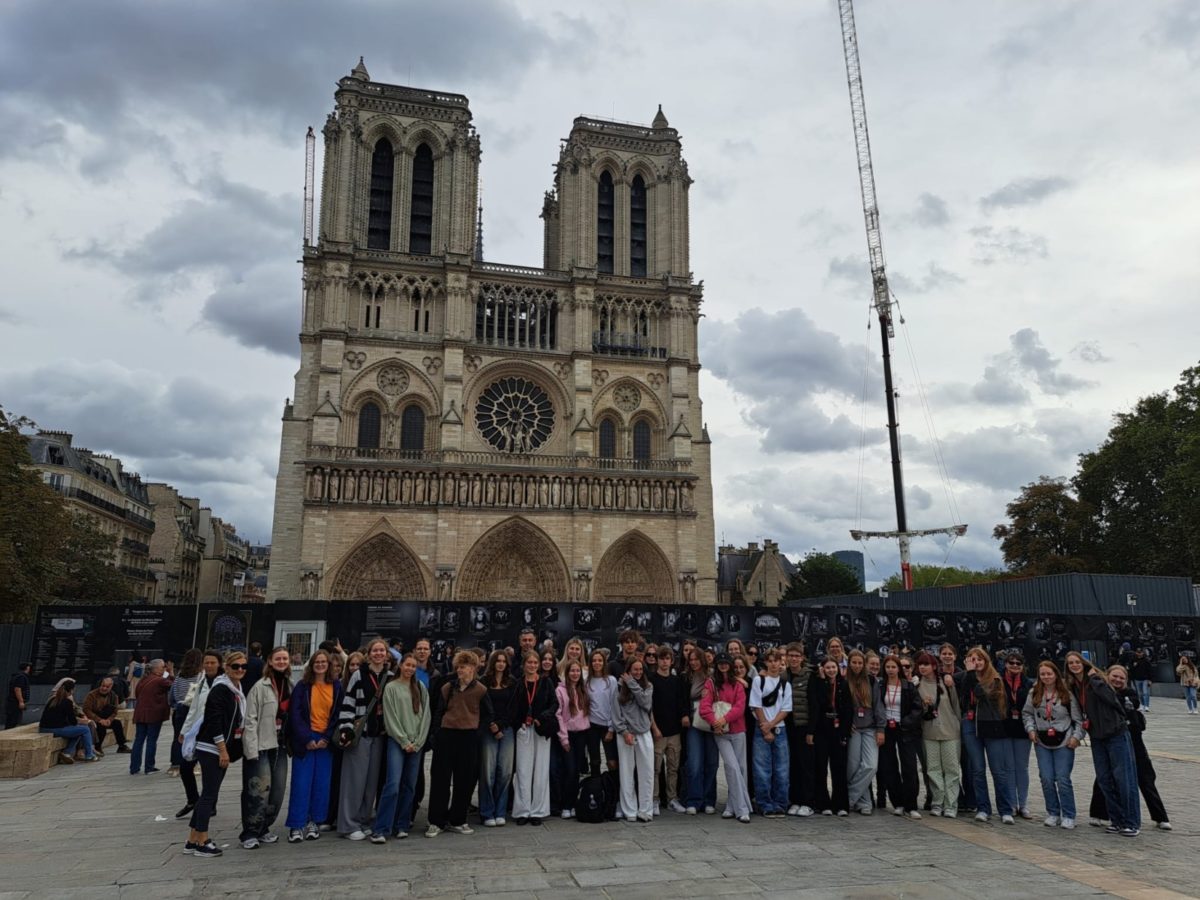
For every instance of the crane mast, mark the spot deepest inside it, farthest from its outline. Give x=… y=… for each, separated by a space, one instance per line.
x=881 y=293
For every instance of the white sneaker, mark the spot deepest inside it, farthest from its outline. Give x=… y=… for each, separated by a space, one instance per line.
x=1025 y=813
x=709 y=810
x=565 y=814
x=805 y=812
x=1165 y=826
x=379 y=838
x=432 y=831
x=489 y=823
x=794 y=810
x=500 y=822
x=357 y=835
x=866 y=810
x=935 y=810
x=619 y=815
x=691 y=810
x=1097 y=823
x=842 y=813
x=676 y=806
x=657 y=811
x=1007 y=820
x=295 y=836
x=827 y=812
x=981 y=817
x=460 y=829
x=1051 y=821
x=728 y=814
x=269 y=838
x=897 y=810
x=949 y=814
x=1067 y=823
x=913 y=814
x=250 y=843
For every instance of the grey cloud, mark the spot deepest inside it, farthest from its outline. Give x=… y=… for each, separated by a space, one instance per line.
x=740 y=149
x=1007 y=244
x=780 y=363
x=73 y=62
x=1089 y=352
x=1001 y=457
x=8 y=317
x=1008 y=376
x=934 y=278
x=1024 y=192
x=1032 y=356
x=999 y=387
x=931 y=211
x=1179 y=29
x=852 y=268
x=261 y=310
x=821 y=227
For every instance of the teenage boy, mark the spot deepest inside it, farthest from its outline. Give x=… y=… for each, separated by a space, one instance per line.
x=671 y=712
x=771 y=702
x=800 y=766
x=464 y=705
x=630 y=641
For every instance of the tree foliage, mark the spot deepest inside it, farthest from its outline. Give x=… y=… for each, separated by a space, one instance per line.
x=820 y=575
x=1133 y=505
x=938 y=576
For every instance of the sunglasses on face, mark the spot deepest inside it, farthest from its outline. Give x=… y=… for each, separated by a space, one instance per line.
x=237 y=667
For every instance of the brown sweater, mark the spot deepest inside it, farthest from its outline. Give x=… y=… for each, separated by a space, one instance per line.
x=464 y=709
x=97 y=706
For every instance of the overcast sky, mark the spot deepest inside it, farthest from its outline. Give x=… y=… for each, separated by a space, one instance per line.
x=1037 y=171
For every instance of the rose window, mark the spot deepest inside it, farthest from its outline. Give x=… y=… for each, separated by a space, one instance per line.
x=514 y=415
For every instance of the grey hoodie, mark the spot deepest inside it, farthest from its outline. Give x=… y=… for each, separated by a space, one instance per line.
x=633 y=716
x=1065 y=720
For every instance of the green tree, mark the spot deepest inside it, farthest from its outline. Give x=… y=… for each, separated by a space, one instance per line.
x=820 y=575
x=33 y=521
x=947 y=576
x=1049 y=530
x=88 y=573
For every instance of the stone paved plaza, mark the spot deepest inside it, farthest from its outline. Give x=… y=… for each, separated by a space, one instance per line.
x=95 y=831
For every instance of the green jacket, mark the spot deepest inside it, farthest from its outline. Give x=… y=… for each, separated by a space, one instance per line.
x=800 y=693
x=402 y=724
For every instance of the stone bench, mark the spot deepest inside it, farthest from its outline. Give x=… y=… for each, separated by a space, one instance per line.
x=25 y=752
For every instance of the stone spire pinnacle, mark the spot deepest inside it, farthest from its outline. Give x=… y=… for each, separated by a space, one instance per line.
x=360 y=72
x=660 y=121
x=479 y=233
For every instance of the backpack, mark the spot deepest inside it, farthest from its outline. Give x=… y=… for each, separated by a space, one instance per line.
x=597 y=798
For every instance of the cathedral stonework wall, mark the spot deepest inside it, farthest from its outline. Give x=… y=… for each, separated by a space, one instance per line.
x=466 y=430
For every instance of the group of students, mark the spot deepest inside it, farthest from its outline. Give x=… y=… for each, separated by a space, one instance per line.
x=531 y=732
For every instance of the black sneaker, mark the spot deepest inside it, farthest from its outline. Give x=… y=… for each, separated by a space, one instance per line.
x=1112 y=829
x=1130 y=832
x=207 y=850
x=534 y=820
x=189 y=848
x=186 y=811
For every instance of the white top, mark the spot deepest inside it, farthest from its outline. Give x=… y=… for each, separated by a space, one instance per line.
x=601 y=694
x=891 y=701
x=765 y=684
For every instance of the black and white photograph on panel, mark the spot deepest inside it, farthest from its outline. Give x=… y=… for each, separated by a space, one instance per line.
x=587 y=618
x=481 y=619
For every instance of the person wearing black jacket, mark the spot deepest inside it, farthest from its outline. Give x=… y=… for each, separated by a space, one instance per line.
x=898 y=756
x=830 y=713
x=1016 y=688
x=497 y=741
x=671 y=708
x=218 y=743
x=1142 y=673
x=535 y=722
x=1118 y=677
x=1112 y=751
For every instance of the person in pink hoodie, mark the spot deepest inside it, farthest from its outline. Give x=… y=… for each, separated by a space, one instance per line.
x=723 y=706
x=574 y=723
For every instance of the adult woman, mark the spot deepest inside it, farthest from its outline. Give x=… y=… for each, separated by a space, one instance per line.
x=218 y=742
x=836 y=651
x=602 y=687
x=701 y=761
x=573 y=652
x=406 y=720
x=1189 y=679
x=1118 y=677
x=734 y=648
x=902 y=710
x=573 y=728
x=723 y=708
x=830 y=713
x=1016 y=691
x=463 y=707
x=181 y=689
x=867 y=728
x=362 y=760
x=940 y=734
x=635 y=745
x=210 y=668
x=534 y=721
x=1054 y=725
x=498 y=741
x=987 y=710
x=61 y=718
x=312 y=714
x=1112 y=751
x=265 y=764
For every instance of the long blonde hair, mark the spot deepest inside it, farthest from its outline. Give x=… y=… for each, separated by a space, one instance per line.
x=989 y=680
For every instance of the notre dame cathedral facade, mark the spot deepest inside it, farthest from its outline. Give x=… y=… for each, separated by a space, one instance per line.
x=465 y=430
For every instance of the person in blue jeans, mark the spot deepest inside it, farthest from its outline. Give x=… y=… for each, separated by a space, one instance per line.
x=702 y=756
x=1016 y=692
x=1054 y=725
x=406 y=719
x=1112 y=751
x=498 y=743
x=60 y=718
x=771 y=703
x=1189 y=678
x=1141 y=671
x=986 y=711
x=311 y=720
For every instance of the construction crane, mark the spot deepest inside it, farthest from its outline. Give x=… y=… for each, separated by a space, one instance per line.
x=881 y=296
x=310 y=152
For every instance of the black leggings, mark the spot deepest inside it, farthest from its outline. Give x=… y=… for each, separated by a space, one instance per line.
x=595 y=739
x=829 y=756
x=898 y=770
x=212 y=774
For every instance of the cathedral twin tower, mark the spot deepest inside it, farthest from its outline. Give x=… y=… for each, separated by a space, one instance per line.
x=465 y=430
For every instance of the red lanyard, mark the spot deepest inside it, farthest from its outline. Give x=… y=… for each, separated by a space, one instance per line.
x=893 y=696
x=1049 y=707
x=375 y=683
x=1083 y=696
x=530 y=694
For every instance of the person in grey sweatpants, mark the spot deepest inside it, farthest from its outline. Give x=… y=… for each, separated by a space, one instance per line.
x=868 y=729
x=363 y=761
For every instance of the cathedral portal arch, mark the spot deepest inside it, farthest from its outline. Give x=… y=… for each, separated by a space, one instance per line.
x=380 y=567
x=634 y=569
x=515 y=560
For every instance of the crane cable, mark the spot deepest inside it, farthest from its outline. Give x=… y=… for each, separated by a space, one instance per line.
x=862 y=428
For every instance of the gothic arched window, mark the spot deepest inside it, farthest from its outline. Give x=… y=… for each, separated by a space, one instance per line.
x=641 y=441
x=605 y=222
x=637 y=227
x=412 y=428
x=420 y=227
x=608 y=439
x=379 y=221
x=368 y=426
